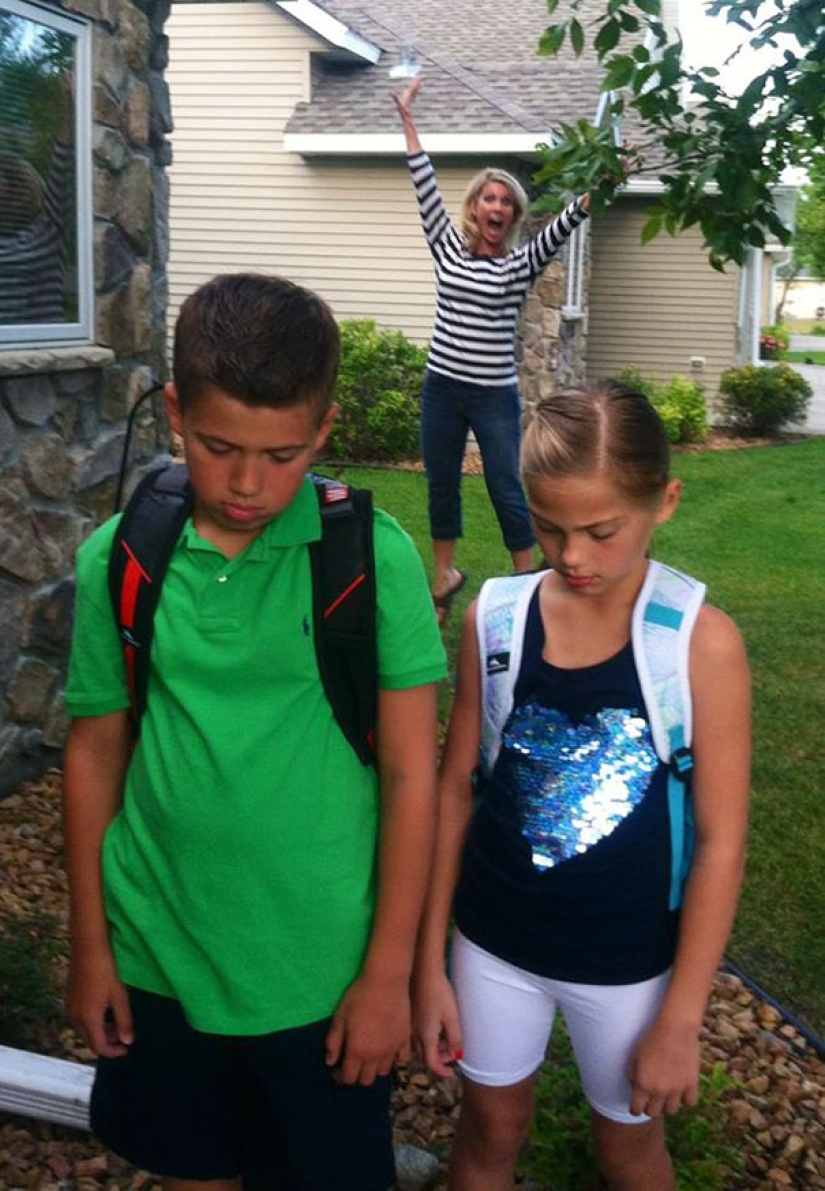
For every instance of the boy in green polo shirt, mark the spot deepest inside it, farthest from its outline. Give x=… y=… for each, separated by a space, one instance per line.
x=245 y=893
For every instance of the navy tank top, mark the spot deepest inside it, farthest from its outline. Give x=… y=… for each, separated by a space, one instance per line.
x=566 y=869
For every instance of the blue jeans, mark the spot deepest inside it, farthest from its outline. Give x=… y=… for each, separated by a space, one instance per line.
x=449 y=409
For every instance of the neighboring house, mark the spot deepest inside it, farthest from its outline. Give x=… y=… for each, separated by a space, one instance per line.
x=662 y=308
x=83 y=236
x=289 y=157
x=805 y=298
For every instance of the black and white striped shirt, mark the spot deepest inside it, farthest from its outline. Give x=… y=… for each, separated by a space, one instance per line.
x=35 y=284
x=478 y=298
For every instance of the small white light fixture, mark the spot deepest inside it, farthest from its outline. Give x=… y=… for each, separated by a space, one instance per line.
x=407 y=68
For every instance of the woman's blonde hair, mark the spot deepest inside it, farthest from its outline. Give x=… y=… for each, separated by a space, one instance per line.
x=596 y=428
x=520 y=204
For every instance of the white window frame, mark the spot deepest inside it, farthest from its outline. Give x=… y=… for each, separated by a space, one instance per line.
x=575 y=259
x=81 y=331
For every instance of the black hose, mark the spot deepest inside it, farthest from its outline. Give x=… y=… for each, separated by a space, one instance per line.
x=813 y=1039
x=124 y=459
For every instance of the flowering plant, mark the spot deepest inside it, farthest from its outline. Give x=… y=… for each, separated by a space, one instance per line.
x=773 y=343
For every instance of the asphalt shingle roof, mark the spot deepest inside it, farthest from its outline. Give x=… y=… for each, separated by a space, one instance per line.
x=480 y=67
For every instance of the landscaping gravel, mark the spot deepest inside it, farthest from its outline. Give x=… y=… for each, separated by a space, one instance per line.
x=775 y=1109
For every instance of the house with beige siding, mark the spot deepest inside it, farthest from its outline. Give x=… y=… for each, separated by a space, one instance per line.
x=288 y=157
x=659 y=307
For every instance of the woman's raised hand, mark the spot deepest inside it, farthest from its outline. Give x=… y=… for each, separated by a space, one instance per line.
x=404 y=101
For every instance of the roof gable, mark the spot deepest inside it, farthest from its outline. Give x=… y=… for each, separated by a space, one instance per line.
x=484 y=76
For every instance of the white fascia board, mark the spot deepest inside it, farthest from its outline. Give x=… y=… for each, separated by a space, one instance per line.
x=641 y=186
x=655 y=186
x=33 y=1085
x=330 y=28
x=392 y=143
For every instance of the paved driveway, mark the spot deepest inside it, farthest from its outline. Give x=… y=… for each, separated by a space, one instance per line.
x=815 y=375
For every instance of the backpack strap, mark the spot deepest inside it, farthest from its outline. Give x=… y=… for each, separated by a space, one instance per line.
x=144 y=540
x=344 y=610
x=501 y=614
x=342 y=562
x=663 y=619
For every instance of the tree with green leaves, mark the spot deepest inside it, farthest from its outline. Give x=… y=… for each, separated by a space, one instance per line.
x=718 y=155
x=808 y=242
x=809 y=232
x=36 y=64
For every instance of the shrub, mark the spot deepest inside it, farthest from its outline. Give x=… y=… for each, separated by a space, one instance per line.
x=774 y=341
x=379 y=384
x=682 y=408
x=680 y=404
x=760 y=400
x=818 y=329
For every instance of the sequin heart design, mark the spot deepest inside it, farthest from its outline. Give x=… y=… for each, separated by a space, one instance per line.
x=574 y=782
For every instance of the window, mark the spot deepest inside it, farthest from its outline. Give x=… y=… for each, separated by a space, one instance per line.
x=46 y=277
x=575 y=259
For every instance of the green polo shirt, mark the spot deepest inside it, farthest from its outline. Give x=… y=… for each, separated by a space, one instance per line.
x=239 y=873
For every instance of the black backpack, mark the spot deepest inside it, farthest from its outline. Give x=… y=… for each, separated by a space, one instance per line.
x=343 y=592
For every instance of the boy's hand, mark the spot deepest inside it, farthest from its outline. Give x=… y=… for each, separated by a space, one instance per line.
x=370 y=1030
x=98 y=1004
x=664 y=1069
x=436 y=1026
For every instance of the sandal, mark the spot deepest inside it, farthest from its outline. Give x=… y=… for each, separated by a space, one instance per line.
x=444 y=603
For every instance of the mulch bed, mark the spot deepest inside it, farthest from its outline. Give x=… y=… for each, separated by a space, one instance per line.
x=718 y=439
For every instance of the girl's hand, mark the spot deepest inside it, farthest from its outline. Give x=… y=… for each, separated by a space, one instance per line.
x=436 y=1028
x=404 y=101
x=664 y=1070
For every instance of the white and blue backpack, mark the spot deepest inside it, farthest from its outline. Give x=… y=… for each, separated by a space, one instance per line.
x=663 y=618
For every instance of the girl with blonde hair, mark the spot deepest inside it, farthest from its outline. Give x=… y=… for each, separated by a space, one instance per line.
x=583 y=874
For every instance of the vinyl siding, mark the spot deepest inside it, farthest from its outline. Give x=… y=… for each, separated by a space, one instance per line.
x=346 y=228
x=658 y=306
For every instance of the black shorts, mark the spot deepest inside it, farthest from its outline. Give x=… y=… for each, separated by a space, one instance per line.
x=188 y=1105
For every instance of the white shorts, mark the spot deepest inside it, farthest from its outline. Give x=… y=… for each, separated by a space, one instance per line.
x=507 y=1014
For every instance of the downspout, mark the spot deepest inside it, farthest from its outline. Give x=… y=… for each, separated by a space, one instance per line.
x=741 y=325
x=45 y=1088
x=755 y=255
x=750 y=307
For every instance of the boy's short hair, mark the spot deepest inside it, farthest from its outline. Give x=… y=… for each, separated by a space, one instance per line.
x=262 y=340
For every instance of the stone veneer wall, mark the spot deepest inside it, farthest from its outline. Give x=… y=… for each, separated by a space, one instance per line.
x=550 y=349
x=63 y=410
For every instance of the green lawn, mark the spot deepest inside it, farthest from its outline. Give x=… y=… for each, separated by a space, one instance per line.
x=805 y=326
x=752 y=525
x=814 y=357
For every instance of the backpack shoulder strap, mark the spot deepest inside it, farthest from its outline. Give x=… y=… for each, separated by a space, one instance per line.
x=343 y=581
x=142 y=547
x=501 y=614
x=663 y=620
x=344 y=610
